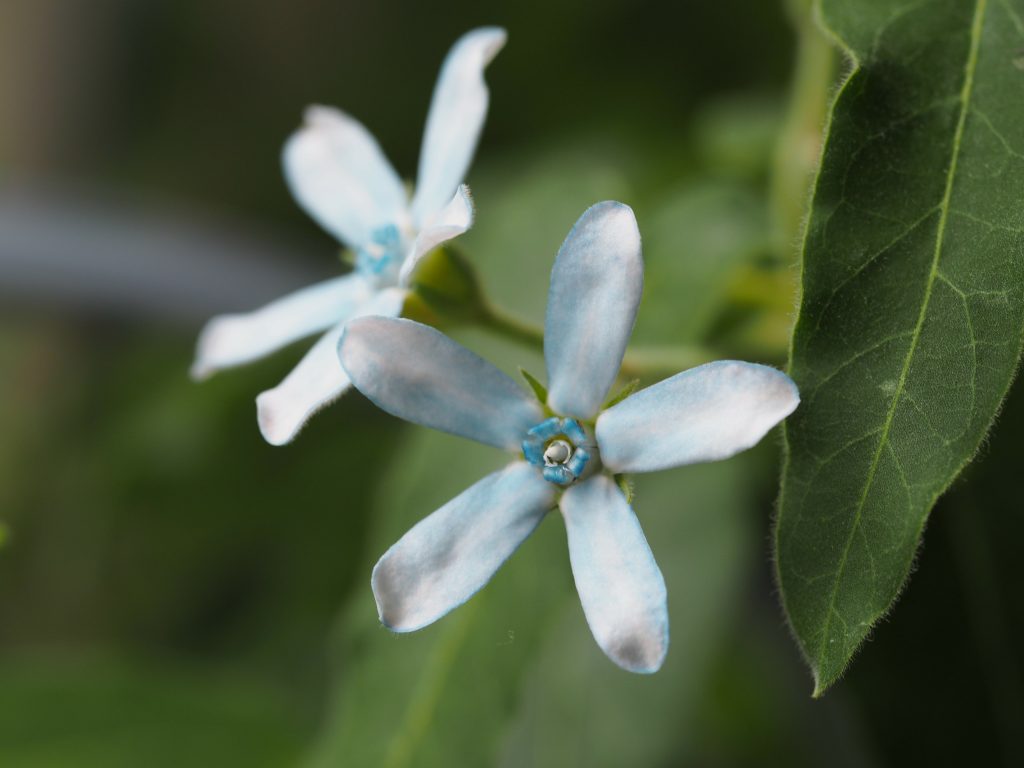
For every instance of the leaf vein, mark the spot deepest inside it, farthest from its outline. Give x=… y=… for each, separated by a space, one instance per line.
x=965 y=97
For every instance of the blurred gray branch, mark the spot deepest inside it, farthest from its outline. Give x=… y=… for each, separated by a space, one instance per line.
x=73 y=252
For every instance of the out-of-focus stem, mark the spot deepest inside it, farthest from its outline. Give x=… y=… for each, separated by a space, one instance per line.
x=502 y=323
x=658 y=361
x=799 y=145
x=639 y=363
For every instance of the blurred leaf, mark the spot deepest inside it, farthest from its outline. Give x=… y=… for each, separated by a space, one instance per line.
x=526 y=206
x=58 y=711
x=244 y=550
x=440 y=696
x=736 y=135
x=519 y=655
x=910 y=327
x=580 y=710
x=694 y=243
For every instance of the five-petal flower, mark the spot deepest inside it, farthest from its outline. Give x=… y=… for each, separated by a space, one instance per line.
x=569 y=459
x=340 y=177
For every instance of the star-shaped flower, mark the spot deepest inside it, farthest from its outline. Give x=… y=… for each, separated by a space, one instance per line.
x=569 y=448
x=340 y=177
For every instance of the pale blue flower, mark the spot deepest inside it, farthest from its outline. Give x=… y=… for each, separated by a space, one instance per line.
x=569 y=449
x=340 y=177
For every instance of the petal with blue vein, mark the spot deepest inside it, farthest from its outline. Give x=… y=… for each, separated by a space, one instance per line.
x=703 y=414
x=230 y=340
x=619 y=583
x=318 y=379
x=592 y=302
x=457 y=113
x=454 y=219
x=447 y=557
x=338 y=174
x=416 y=373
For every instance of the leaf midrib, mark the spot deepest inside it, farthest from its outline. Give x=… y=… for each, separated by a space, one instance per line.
x=965 y=97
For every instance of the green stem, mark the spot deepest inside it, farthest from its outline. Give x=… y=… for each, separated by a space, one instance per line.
x=655 y=361
x=639 y=362
x=504 y=324
x=799 y=146
x=448 y=292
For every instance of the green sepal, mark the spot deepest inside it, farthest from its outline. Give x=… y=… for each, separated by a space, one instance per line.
x=625 y=483
x=622 y=394
x=448 y=284
x=415 y=308
x=347 y=256
x=539 y=390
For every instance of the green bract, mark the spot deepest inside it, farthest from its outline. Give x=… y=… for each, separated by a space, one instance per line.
x=910 y=325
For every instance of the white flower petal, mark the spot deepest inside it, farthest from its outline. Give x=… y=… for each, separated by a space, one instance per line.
x=703 y=414
x=456 y=117
x=338 y=174
x=229 y=340
x=418 y=374
x=619 y=583
x=447 y=557
x=317 y=380
x=595 y=292
x=454 y=219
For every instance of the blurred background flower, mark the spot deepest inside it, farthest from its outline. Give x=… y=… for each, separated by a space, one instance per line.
x=175 y=591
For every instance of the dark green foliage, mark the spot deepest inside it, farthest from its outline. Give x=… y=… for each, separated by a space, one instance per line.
x=910 y=324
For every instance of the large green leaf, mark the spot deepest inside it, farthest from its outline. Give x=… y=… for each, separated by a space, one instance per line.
x=910 y=325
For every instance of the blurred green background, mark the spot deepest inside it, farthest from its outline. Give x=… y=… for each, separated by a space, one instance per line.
x=173 y=591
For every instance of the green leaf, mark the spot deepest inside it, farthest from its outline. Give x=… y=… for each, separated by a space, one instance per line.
x=910 y=325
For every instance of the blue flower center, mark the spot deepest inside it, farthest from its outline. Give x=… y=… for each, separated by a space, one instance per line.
x=382 y=256
x=558 y=447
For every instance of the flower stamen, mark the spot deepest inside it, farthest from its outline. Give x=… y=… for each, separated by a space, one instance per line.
x=559 y=448
x=382 y=255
